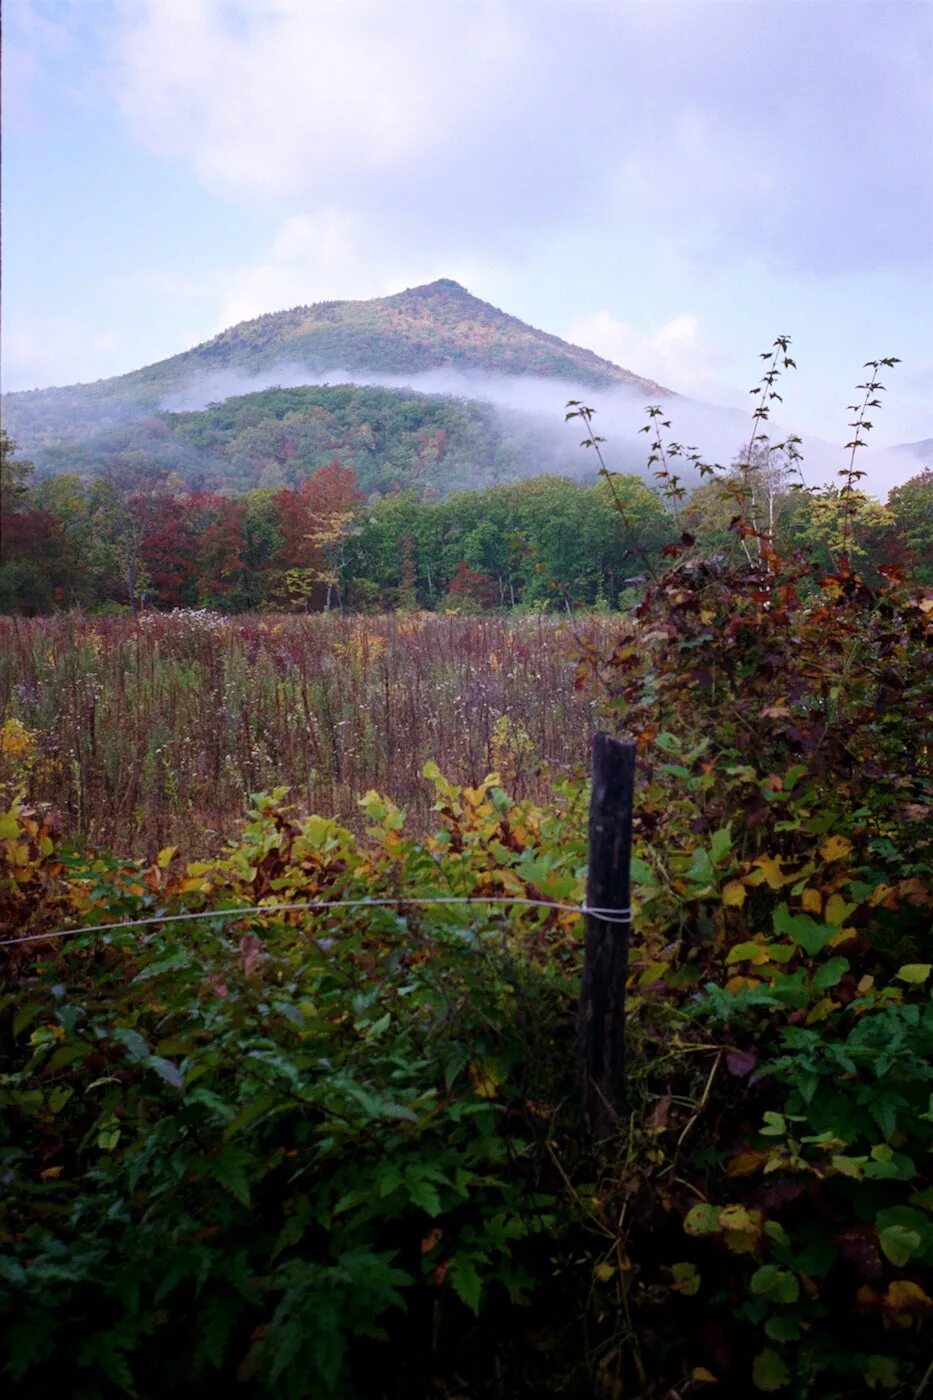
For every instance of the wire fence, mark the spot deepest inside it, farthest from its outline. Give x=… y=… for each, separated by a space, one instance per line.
x=606 y=916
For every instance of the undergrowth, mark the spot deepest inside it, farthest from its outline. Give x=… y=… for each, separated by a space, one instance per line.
x=340 y=1153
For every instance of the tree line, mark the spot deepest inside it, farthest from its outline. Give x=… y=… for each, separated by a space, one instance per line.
x=134 y=538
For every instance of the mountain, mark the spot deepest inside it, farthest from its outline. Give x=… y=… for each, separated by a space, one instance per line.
x=435 y=327
x=394 y=439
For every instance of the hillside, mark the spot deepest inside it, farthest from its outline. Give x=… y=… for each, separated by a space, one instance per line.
x=437 y=326
x=393 y=439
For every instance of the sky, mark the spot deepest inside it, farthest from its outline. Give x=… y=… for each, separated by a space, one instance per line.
x=669 y=184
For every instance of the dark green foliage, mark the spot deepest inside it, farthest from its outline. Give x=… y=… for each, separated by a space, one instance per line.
x=310 y=1159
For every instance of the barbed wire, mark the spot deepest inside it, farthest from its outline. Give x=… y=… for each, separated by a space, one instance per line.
x=606 y=916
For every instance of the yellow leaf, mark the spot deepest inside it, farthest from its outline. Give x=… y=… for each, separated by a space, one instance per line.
x=741 y=1220
x=51 y=1173
x=653 y=971
x=164 y=858
x=837 y=909
x=835 y=848
x=604 y=1272
x=202 y=886
x=700 y=1376
x=904 y=1296
x=914 y=973
x=812 y=902
x=737 y=1242
x=745 y=1163
x=820 y=1011
x=774 y=876
x=734 y=894
x=848 y=1166
x=485 y=1082
x=880 y=894
x=735 y=984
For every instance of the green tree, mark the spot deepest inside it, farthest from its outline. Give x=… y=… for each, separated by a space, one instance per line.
x=911 y=507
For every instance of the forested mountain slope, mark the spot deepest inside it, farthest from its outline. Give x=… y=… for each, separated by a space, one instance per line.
x=436 y=326
x=392 y=438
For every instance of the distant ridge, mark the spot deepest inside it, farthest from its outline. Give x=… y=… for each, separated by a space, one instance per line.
x=434 y=326
x=922 y=450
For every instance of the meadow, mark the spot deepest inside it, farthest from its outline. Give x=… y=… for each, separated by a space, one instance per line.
x=279 y=1119
x=153 y=731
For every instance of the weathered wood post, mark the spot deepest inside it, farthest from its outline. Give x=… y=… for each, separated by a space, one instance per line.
x=608 y=923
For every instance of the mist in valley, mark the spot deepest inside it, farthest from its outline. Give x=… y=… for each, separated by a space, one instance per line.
x=531 y=411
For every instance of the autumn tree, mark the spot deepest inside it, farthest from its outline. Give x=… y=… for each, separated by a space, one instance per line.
x=314 y=521
x=31 y=565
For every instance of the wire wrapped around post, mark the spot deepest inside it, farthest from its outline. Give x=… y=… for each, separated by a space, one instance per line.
x=601 y=1024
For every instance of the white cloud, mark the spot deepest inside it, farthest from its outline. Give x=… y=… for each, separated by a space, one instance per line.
x=282 y=97
x=677 y=353
x=514 y=120
x=329 y=256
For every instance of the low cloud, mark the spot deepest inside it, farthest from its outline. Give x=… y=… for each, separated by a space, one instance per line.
x=535 y=407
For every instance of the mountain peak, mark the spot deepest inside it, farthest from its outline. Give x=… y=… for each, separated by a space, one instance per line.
x=441 y=284
x=438 y=325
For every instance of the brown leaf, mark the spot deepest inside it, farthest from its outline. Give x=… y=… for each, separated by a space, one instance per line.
x=859 y=1244
x=250 y=951
x=741 y=1062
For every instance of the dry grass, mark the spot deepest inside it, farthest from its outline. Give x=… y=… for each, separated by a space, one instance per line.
x=151 y=732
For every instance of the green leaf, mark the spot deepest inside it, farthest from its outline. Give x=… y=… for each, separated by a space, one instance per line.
x=882 y=1371
x=135 y=1045
x=741 y=951
x=27 y=1343
x=686 y=1278
x=669 y=743
x=721 y=843
x=641 y=871
x=466 y=1282
x=12 y=1272
x=702 y=1220
x=700 y=870
x=805 y=931
x=829 y=974
x=779 y=1285
x=899 y=1244
x=229 y=1168
x=884 y=1113
x=167 y=1070
x=423 y=1194
x=782 y=1329
x=769 y=1371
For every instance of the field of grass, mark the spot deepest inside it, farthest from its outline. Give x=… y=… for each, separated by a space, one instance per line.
x=294 y=1119
x=143 y=733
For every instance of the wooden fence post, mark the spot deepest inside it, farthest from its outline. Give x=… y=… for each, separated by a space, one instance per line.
x=605 y=964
